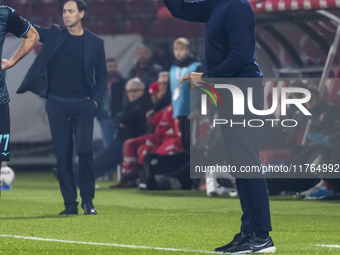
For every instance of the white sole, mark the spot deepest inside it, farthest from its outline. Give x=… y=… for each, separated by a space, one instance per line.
x=267 y=250
x=239 y=252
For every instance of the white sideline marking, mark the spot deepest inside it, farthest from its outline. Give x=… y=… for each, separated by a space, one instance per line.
x=108 y=244
x=330 y=246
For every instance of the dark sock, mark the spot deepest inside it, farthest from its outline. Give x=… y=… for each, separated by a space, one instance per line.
x=248 y=233
x=262 y=234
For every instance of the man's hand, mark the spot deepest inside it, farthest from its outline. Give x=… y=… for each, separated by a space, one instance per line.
x=193 y=79
x=149 y=114
x=193 y=115
x=6 y=64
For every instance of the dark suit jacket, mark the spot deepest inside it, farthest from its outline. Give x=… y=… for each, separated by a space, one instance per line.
x=94 y=63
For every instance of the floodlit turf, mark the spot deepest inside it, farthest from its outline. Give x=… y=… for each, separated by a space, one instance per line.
x=186 y=220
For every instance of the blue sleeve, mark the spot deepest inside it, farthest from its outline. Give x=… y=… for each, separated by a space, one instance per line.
x=43 y=32
x=239 y=29
x=16 y=24
x=197 y=10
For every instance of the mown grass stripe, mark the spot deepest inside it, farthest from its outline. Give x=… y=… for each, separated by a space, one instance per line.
x=107 y=244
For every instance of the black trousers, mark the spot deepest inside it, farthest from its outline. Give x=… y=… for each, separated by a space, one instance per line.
x=176 y=166
x=66 y=119
x=242 y=149
x=109 y=158
x=184 y=127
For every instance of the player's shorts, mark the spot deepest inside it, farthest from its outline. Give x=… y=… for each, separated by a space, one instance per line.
x=4 y=132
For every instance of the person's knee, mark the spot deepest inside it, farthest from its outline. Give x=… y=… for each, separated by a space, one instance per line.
x=85 y=155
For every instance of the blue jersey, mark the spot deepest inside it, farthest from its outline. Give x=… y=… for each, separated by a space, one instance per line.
x=180 y=93
x=11 y=22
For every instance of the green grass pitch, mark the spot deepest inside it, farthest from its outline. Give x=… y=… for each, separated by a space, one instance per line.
x=184 y=220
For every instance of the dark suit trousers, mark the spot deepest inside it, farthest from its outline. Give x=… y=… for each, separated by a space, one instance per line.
x=65 y=119
x=242 y=149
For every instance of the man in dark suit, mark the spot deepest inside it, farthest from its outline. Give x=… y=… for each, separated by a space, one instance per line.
x=70 y=71
x=230 y=54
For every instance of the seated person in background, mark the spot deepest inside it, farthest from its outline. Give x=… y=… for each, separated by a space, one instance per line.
x=160 y=138
x=131 y=168
x=316 y=151
x=294 y=135
x=131 y=123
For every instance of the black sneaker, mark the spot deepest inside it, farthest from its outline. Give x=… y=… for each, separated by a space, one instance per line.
x=70 y=210
x=237 y=239
x=89 y=208
x=253 y=244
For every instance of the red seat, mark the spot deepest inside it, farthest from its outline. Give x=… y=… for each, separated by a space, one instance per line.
x=47 y=9
x=104 y=8
x=137 y=7
x=334 y=92
x=22 y=7
x=103 y=27
x=134 y=26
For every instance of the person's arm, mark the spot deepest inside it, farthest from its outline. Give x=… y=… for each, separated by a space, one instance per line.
x=42 y=31
x=27 y=44
x=239 y=21
x=20 y=28
x=136 y=114
x=100 y=75
x=164 y=101
x=197 y=11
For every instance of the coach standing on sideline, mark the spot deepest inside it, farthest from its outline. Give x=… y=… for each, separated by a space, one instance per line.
x=70 y=71
x=230 y=53
x=11 y=22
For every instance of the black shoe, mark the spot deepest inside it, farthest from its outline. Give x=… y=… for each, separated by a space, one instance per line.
x=70 y=210
x=89 y=208
x=237 y=239
x=253 y=244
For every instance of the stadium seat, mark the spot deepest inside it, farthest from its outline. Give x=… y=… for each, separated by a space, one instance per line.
x=46 y=9
x=137 y=7
x=157 y=4
x=22 y=7
x=103 y=27
x=334 y=92
x=104 y=8
x=134 y=26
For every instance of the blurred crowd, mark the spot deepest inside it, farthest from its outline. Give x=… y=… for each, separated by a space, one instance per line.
x=145 y=124
x=144 y=120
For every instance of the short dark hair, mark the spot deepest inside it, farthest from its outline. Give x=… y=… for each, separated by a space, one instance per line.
x=81 y=5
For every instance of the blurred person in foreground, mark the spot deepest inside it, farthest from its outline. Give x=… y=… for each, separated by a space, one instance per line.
x=70 y=72
x=11 y=22
x=230 y=53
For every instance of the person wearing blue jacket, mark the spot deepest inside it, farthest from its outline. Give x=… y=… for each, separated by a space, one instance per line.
x=180 y=93
x=230 y=53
